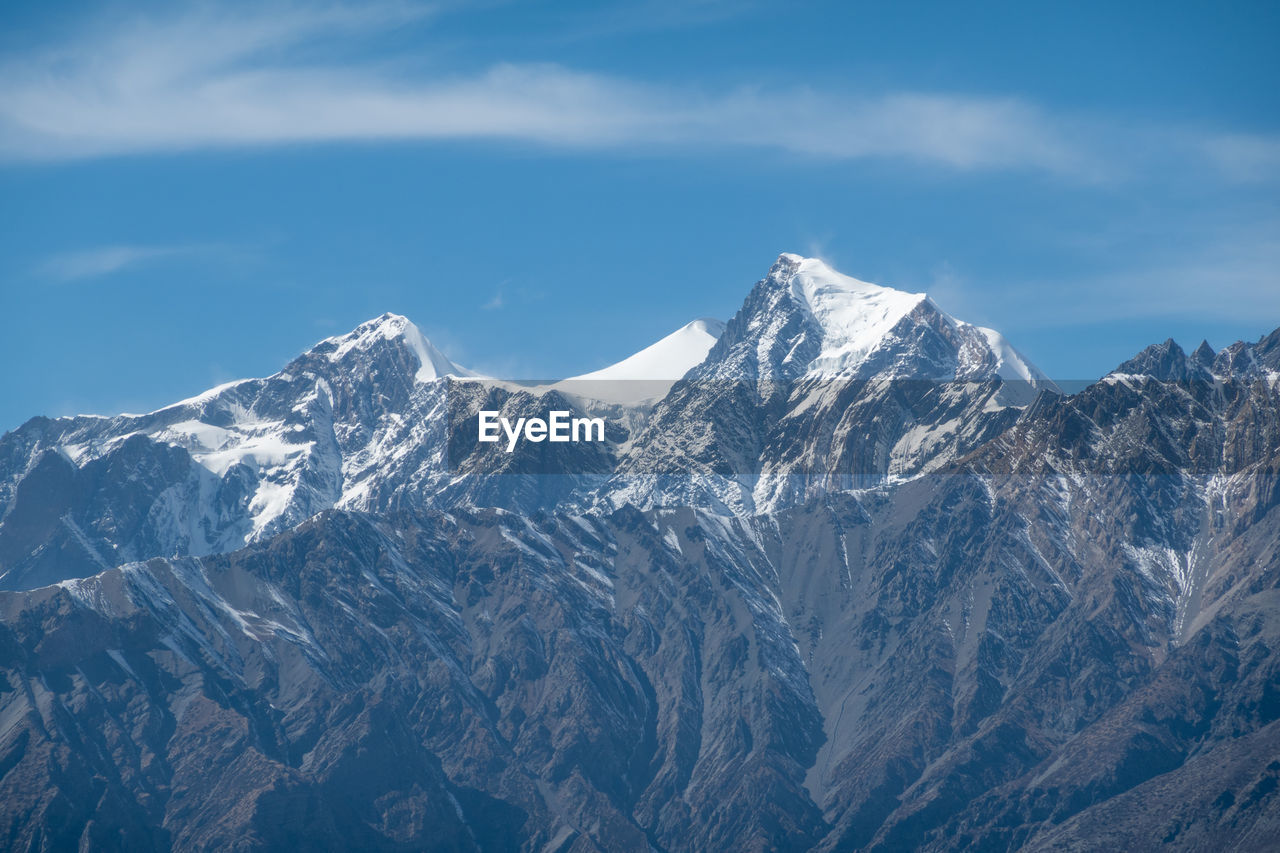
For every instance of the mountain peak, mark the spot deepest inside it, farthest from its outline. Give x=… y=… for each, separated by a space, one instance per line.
x=669 y=358
x=854 y=315
x=1166 y=361
x=370 y=334
x=709 y=325
x=650 y=373
x=1203 y=354
x=805 y=318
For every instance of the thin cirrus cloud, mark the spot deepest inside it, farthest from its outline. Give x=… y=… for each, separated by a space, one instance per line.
x=202 y=81
x=1245 y=157
x=105 y=260
x=1227 y=274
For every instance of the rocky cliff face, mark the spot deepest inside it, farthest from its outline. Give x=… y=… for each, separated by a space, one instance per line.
x=864 y=579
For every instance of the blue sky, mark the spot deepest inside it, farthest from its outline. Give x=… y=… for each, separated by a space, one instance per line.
x=195 y=193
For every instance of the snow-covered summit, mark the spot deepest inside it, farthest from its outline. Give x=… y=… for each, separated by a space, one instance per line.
x=648 y=374
x=821 y=381
x=248 y=458
x=806 y=319
x=854 y=316
x=389 y=327
x=669 y=358
x=857 y=318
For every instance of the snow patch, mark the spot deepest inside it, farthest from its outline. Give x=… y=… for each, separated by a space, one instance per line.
x=649 y=373
x=1009 y=362
x=854 y=315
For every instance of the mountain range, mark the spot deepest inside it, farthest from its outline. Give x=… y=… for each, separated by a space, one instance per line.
x=847 y=574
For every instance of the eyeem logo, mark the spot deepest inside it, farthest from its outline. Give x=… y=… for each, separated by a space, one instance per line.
x=558 y=426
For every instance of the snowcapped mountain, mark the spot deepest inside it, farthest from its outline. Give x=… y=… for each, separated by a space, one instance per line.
x=649 y=374
x=365 y=341
x=360 y=421
x=861 y=578
x=857 y=326
x=880 y=383
x=805 y=320
x=363 y=421
x=236 y=464
x=669 y=358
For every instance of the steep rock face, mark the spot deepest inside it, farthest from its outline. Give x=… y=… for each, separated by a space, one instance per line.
x=1168 y=363
x=455 y=680
x=1121 y=557
x=1240 y=361
x=139 y=497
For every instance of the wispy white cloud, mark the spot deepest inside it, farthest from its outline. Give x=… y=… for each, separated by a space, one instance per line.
x=1245 y=157
x=273 y=75
x=204 y=80
x=105 y=260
